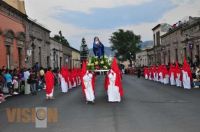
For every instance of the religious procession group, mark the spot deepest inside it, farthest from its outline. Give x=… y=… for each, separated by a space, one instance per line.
x=175 y=75
x=67 y=79
x=113 y=84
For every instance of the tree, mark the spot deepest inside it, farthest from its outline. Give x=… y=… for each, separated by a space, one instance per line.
x=60 y=38
x=84 y=50
x=125 y=44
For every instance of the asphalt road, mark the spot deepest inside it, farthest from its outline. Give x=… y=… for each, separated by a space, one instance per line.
x=147 y=107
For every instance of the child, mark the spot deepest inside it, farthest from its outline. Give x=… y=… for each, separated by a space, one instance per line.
x=15 y=85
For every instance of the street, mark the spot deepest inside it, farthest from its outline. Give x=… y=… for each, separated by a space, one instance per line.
x=147 y=107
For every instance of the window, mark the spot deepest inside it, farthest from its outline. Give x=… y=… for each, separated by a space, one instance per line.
x=185 y=52
x=158 y=38
x=48 y=61
x=8 y=56
x=176 y=52
x=197 y=50
x=20 y=57
x=154 y=39
x=40 y=56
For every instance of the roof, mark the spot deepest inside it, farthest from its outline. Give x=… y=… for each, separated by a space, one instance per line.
x=12 y=8
x=75 y=49
x=38 y=24
x=157 y=26
x=65 y=45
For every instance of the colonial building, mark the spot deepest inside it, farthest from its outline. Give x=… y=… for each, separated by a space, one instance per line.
x=191 y=40
x=141 y=59
x=12 y=36
x=182 y=40
x=158 y=31
x=17 y=4
x=38 y=44
x=75 y=62
x=67 y=55
x=56 y=54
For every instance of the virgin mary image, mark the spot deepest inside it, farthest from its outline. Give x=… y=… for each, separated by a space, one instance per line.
x=98 y=48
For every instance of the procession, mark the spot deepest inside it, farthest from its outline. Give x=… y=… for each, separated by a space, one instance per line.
x=36 y=79
x=100 y=65
x=173 y=75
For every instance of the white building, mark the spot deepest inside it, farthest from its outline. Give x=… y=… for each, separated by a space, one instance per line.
x=158 y=31
x=141 y=58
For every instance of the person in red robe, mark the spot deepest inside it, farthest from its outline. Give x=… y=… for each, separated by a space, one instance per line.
x=64 y=81
x=114 y=83
x=165 y=74
x=49 y=79
x=187 y=75
x=172 y=74
x=178 y=75
x=146 y=72
x=87 y=80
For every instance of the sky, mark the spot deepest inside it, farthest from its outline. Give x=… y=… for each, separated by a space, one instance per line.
x=89 y=18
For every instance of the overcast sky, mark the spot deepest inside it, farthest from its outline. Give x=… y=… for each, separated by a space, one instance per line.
x=90 y=18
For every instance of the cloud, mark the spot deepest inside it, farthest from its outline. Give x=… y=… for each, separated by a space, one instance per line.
x=101 y=18
x=45 y=9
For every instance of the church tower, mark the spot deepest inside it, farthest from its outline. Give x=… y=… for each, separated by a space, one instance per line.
x=17 y=4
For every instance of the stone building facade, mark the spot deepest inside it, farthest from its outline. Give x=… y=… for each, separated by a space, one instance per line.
x=158 y=31
x=38 y=44
x=141 y=59
x=12 y=36
x=56 y=54
x=181 y=41
x=67 y=56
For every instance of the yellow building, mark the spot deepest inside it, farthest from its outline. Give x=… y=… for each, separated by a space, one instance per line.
x=75 y=59
x=17 y=4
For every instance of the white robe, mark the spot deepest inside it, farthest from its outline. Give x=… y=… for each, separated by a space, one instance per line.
x=89 y=93
x=156 y=75
x=172 y=80
x=51 y=94
x=166 y=79
x=161 y=77
x=178 y=80
x=27 y=89
x=186 y=80
x=113 y=90
x=74 y=80
x=150 y=76
x=64 y=85
x=70 y=84
x=146 y=76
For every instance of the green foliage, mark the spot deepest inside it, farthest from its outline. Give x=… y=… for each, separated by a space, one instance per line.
x=104 y=63
x=61 y=39
x=125 y=43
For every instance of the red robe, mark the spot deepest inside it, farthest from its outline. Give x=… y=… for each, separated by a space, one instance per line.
x=186 y=68
x=65 y=74
x=49 y=79
x=177 y=71
x=118 y=82
x=83 y=72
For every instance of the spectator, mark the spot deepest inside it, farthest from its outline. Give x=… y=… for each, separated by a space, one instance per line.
x=27 y=85
x=8 y=79
x=33 y=81
x=15 y=85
